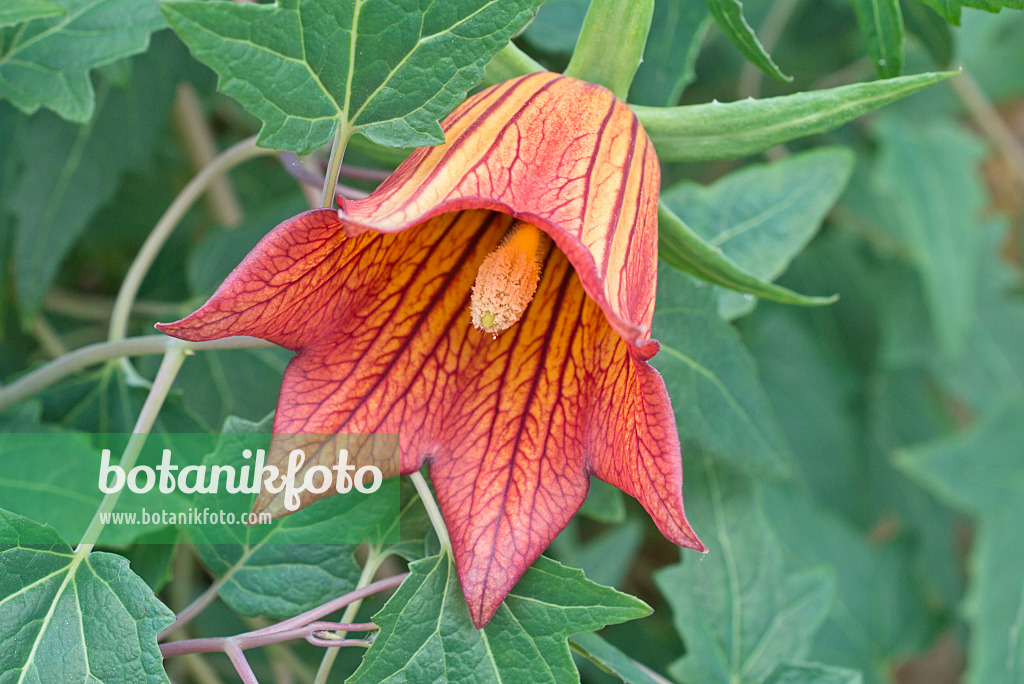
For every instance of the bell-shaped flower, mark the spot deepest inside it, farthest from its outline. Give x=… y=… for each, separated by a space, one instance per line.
x=491 y=302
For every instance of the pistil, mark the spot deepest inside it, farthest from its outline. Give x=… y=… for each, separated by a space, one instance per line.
x=507 y=280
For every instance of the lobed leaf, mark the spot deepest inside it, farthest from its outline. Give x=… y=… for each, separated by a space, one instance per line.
x=390 y=69
x=740 y=613
x=738 y=129
x=50 y=602
x=426 y=633
x=47 y=64
x=67 y=173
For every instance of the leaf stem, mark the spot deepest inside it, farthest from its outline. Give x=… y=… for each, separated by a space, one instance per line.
x=81 y=358
x=241 y=664
x=341 y=137
x=611 y=43
x=228 y=159
x=169 y=367
x=433 y=512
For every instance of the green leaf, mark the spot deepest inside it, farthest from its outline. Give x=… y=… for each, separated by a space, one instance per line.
x=68 y=172
x=951 y=9
x=981 y=471
x=814 y=395
x=290 y=565
x=47 y=486
x=738 y=129
x=388 y=69
x=16 y=11
x=67 y=617
x=718 y=401
x=677 y=31
x=557 y=26
x=923 y=23
x=878 y=616
x=604 y=503
x=814 y=673
x=605 y=558
x=681 y=247
x=881 y=25
x=611 y=660
x=426 y=633
x=928 y=175
x=738 y=610
x=729 y=15
x=48 y=62
x=761 y=217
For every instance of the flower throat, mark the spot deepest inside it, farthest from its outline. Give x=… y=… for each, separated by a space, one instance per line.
x=507 y=280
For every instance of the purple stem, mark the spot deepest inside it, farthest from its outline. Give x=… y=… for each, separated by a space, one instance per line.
x=240 y=663
x=331 y=606
x=250 y=640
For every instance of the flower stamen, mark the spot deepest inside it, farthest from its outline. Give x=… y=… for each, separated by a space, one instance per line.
x=507 y=280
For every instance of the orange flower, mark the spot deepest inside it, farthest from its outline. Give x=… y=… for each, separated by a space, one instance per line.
x=376 y=302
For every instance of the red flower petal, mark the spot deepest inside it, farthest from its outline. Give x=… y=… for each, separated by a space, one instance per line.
x=512 y=426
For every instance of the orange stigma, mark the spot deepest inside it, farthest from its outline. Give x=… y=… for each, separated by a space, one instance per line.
x=507 y=280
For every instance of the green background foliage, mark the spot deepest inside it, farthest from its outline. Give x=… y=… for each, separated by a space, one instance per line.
x=856 y=467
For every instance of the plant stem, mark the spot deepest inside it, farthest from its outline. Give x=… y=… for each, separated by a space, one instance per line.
x=433 y=512
x=611 y=43
x=509 y=63
x=335 y=604
x=172 y=361
x=341 y=137
x=201 y=147
x=373 y=561
x=76 y=360
x=241 y=664
x=203 y=600
x=228 y=159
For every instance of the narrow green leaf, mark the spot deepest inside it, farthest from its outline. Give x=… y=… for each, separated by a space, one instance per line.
x=739 y=611
x=16 y=11
x=611 y=660
x=426 y=633
x=729 y=15
x=881 y=25
x=66 y=617
x=681 y=247
x=48 y=62
x=388 y=69
x=761 y=217
x=716 y=395
x=738 y=129
x=677 y=31
x=925 y=24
